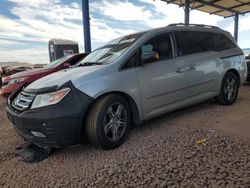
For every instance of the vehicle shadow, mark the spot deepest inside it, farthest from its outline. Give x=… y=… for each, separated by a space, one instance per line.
x=155 y=123
x=179 y=113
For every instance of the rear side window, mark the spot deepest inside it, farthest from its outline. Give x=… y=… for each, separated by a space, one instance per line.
x=191 y=42
x=222 y=42
x=194 y=42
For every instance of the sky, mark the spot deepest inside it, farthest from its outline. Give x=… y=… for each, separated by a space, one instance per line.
x=26 y=26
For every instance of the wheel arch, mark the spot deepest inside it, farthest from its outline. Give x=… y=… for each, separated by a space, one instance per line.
x=232 y=70
x=235 y=72
x=221 y=98
x=132 y=105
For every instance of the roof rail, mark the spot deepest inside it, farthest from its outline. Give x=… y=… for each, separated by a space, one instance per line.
x=193 y=25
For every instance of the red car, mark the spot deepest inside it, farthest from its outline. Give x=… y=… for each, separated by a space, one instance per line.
x=23 y=79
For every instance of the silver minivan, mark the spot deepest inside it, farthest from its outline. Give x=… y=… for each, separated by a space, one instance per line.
x=129 y=80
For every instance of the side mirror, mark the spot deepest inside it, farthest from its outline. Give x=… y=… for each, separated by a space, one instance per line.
x=148 y=57
x=66 y=65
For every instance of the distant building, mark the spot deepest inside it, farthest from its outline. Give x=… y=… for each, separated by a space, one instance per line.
x=59 y=48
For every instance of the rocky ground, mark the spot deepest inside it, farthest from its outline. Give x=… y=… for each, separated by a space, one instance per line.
x=163 y=152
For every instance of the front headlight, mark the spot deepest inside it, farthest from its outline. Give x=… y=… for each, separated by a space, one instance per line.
x=17 y=80
x=49 y=98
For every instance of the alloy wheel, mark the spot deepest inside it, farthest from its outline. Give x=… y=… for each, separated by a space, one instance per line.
x=115 y=122
x=230 y=88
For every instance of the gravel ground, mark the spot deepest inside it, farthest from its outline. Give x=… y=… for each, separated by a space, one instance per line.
x=160 y=153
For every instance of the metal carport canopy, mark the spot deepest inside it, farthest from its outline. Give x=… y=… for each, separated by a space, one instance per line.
x=225 y=8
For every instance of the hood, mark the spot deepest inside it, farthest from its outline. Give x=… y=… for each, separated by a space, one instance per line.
x=63 y=76
x=29 y=73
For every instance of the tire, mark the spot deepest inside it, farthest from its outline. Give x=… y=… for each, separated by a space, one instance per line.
x=229 y=89
x=106 y=126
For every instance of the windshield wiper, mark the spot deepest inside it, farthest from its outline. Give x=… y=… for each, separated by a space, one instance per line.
x=90 y=63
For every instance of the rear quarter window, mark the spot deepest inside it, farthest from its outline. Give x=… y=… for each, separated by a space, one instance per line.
x=222 y=42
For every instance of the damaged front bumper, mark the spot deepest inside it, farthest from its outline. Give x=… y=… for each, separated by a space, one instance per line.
x=54 y=126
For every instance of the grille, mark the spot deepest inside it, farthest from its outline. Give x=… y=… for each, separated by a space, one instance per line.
x=22 y=101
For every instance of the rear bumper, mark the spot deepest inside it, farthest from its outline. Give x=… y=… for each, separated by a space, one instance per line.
x=60 y=123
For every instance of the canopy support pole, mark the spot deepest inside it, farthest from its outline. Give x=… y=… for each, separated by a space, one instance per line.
x=86 y=25
x=236 y=26
x=187 y=11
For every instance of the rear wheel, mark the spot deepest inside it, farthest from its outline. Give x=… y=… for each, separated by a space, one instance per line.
x=229 y=89
x=108 y=122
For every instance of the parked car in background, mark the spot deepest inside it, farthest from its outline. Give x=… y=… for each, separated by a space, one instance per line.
x=15 y=69
x=129 y=80
x=39 y=66
x=22 y=79
x=4 y=70
x=248 y=67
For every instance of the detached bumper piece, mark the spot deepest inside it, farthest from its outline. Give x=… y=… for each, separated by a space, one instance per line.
x=32 y=153
x=51 y=126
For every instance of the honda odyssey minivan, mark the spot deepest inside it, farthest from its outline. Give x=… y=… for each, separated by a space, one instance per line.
x=127 y=81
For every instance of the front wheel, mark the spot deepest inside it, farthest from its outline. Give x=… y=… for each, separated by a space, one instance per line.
x=108 y=122
x=229 y=89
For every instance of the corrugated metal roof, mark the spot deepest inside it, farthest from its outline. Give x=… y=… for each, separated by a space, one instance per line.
x=223 y=8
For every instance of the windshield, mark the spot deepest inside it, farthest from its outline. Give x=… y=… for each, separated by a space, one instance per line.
x=58 y=61
x=111 y=51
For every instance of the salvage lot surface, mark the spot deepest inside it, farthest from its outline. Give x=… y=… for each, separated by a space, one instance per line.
x=160 y=153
